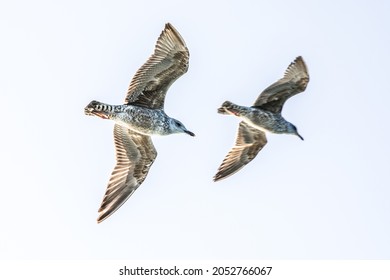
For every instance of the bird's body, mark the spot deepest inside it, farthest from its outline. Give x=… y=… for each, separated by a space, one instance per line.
x=141 y=116
x=264 y=116
x=139 y=119
x=257 y=118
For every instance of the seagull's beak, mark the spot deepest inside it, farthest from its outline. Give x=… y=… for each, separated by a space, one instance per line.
x=299 y=136
x=189 y=132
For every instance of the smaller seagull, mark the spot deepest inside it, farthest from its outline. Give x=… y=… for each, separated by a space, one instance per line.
x=263 y=116
x=142 y=115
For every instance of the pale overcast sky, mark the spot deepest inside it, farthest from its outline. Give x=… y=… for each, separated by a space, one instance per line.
x=323 y=198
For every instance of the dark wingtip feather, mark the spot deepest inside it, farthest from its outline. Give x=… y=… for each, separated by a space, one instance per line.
x=218 y=177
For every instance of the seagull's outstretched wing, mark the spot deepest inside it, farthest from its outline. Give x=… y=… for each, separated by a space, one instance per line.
x=249 y=142
x=294 y=81
x=169 y=61
x=135 y=154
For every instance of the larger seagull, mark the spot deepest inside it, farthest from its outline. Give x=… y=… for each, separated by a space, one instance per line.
x=141 y=116
x=264 y=116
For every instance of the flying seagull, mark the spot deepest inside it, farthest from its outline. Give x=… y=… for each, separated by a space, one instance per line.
x=141 y=116
x=263 y=116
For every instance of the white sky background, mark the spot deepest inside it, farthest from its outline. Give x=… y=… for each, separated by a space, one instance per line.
x=323 y=198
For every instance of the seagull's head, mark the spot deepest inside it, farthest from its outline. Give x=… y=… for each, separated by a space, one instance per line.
x=292 y=129
x=178 y=127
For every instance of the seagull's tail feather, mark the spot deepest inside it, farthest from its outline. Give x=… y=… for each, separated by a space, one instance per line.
x=99 y=109
x=228 y=108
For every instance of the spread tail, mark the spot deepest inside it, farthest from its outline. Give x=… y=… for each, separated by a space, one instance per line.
x=228 y=108
x=96 y=108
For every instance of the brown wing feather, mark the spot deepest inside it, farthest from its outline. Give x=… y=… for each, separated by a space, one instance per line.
x=249 y=142
x=294 y=81
x=168 y=62
x=135 y=154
